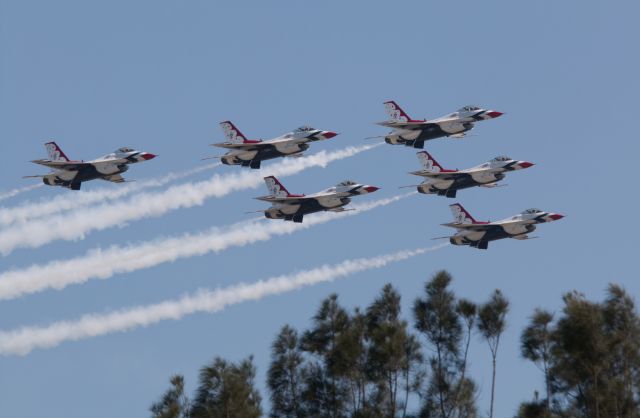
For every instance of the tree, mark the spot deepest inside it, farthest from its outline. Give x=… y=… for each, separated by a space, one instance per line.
x=325 y=390
x=596 y=355
x=491 y=324
x=352 y=363
x=533 y=409
x=591 y=357
x=226 y=390
x=580 y=354
x=449 y=393
x=468 y=312
x=622 y=327
x=284 y=377
x=394 y=354
x=174 y=403
x=536 y=345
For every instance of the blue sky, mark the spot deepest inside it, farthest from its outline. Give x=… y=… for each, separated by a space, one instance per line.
x=160 y=75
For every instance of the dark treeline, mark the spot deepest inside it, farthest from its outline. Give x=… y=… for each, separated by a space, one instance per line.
x=373 y=363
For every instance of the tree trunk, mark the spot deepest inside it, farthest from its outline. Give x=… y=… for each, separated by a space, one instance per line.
x=440 y=389
x=493 y=387
x=547 y=384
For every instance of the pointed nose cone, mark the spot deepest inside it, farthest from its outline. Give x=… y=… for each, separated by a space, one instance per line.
x=148 y=156
x=371 y=189
x=494 y=114
x=525 y=164
x=328 y=134
x=556 y=216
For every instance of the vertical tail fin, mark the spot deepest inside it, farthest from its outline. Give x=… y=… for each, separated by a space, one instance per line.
x=429 y=163
x=460 y=214
x=54 y=151
x=275 y=187
x=231 y=133
x=396 y=113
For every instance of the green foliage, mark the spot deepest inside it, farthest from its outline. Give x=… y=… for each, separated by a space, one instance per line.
x=350 y=364
x=536 y=344
x=439 y=317
x=284 y=378
x=368 y=364
x=491 y=324
x=174 y=403
x=329 y=340
x=591 y=356
x=226 y=390
x=491 y=319
x=394 y=355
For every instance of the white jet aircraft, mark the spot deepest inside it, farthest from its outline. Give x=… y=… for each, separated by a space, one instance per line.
x=293 y=207
x=71 y=174
x=250 y=153
x=444 y=182
x=413 y=132
x=478 y=234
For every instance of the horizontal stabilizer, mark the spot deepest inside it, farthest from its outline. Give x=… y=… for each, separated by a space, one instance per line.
x=493 y=185
x=340 y=209
x=114 y=178
x=523 y=237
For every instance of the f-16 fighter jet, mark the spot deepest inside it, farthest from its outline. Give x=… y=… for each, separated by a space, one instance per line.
x=413 y=132
x=478 y=234
x=445 y=182
x=250 y=153
x=292 y=207
x=71 y=174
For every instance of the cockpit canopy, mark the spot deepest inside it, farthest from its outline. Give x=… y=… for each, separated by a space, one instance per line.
x=469 y=109
x=502 y=158
x=531 y=211
x=304 y=128
x=347 y=183
x=124 y=150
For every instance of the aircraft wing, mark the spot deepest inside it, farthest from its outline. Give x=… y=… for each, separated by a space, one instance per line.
x=516 y=227
x=340 y=209
x=522 y=237
x=451 y=175
x=405 y=125
x=249 y=146
x=62 y=165
x=289 y=200
x=474 y=226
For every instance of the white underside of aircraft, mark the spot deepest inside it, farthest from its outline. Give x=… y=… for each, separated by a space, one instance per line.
x=293 y=207
x=71 y=174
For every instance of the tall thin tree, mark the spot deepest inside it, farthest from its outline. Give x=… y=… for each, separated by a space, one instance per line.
x=326 y=387
x=491 y=324
x=174 y=403
x=227 y=390
x=284 y=377
x=536 y=345
x=393 y=352
x=437 y=318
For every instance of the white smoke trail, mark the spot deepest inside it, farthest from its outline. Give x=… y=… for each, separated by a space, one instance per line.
x=23 y=340
x=103 y=264
x=64 y=202
x=17 y=191
x=76 y=224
